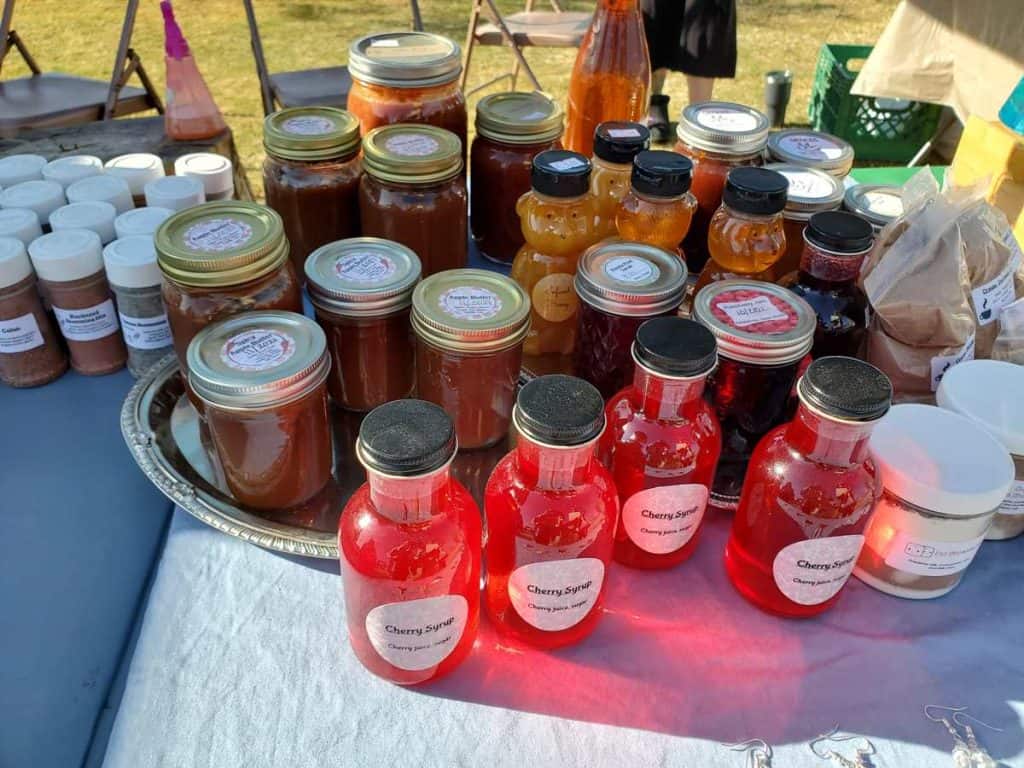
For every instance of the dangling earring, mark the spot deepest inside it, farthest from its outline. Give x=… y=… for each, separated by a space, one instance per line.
x=861 y=756
x=759 y=753
x=980 y=757
x=961 y=751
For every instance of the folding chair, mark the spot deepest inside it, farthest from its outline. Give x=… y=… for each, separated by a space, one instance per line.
x=541 y=29
x=53 y=99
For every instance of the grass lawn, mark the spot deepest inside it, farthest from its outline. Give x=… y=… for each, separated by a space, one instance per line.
x=82 y=38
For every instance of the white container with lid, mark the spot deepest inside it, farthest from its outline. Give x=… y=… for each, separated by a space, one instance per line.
x=137 y=169
x=91 y=214
x=14 y=169
x=67 y=170
x=141 y=221
x=14 y=263
x=214 y=171
x=43 y=197
x=175 y=192
x=943 y=479
x=131 y=262
x=108 y=189
x=22 y=223
x=991 y=393
x=66 y=255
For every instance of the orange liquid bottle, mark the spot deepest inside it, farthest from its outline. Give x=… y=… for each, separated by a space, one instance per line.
x=191 y=111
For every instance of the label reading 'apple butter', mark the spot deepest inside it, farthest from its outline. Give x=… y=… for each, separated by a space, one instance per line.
x=418 y=634
x=813 y=571
x=729 y=120
x=554 y=297
x=257 y=350
x=631 y=270
x=20 y=334
x=411 y=145
x=556 y=594
x=364 y=267
x=214 y=235
x=309 y=125
x=663 y=520
x=469 y=302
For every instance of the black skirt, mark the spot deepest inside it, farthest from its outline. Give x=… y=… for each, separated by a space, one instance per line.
x=696 y=37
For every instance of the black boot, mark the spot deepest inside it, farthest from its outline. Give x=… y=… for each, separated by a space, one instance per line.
x=657 y=119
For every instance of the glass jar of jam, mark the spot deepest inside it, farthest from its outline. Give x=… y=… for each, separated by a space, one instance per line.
x=717 y=136
x=511 y=128
x=877 y=203
x=361 y=290
x=311 y=176
x=615 y=146
x=558 y=218
x=764 y=331
x=746 y=237
x=262 y=378
x=620 y=285
x=413 y=192
x=810 y=490
x=219 y=259
x=658 y=208
x=410 y=541
x=470 y=325
x=551 y=509
x=811 y=149
x=662 y=444
x=407 y=77
x=810 y=191
x=835 y=245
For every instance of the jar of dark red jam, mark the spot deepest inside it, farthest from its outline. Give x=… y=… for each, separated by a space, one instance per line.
x=414 y=193
x=810 y=191
x=311 y=176
x=615 y=146
x=621 y=285
x=763 y=333
x=470 y=325
x=510 y=129
x=361 y=289
x=811 y=149
x=262 y=377
x=717 y=136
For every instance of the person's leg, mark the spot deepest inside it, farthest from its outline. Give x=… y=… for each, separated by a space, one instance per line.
x=658 y=80
x=699 y=88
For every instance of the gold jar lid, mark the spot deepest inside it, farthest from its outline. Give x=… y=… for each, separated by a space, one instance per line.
x=362 y=276
x=311 y=133
x=405 y=59
x=519 y=118
x=220 y=244
x=409 y=153
x=470 y=310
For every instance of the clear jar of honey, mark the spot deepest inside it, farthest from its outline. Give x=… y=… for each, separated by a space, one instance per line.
x=659 y=207
x=615 y=146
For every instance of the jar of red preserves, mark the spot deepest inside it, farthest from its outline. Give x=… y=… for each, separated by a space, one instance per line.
x=414 y=193
x=659 y=207
x=615 y=146
x=361 y=290
x=311 y=176
x=470 y=325
x=810 y=191
x=511 y=128
x=262 y=378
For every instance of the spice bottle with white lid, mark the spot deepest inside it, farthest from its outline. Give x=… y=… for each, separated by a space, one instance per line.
x=14 y=169
x=141 y=221
x=135 y=280
x=137 y=169
x=988 y=392
x=94 y=215
x=20 y=223
x=174 y=192
x=43 y=197
x=70 y=268
x=214 y=171
x=109 y=189
x=943 y=479
x=71 y=168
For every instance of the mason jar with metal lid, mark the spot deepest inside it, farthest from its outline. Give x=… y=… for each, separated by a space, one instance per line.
x=877 y=203
x=811 y=149
x=810 y=191
x=620 y=286
x=414 y=192
x=764 y=332
x=470 y=325
x=717 y=136
x=361 y=290
x=311 y=176
x=262 y=378
x=407 y=77
x=511 y=128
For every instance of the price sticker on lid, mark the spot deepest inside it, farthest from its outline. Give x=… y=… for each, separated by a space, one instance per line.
x=624 y=133
x=568 y=164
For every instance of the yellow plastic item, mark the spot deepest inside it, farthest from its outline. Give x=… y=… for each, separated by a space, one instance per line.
x=990 y=150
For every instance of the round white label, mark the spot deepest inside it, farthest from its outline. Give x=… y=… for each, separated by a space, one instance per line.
x=629 y=269
x=662 y=520
x=412 y=145
x=257 y=350
x=418 y=634
x=214 y=235
x=813 y=571
x=729 y=120
x=364 y=267
x=884 y=203
x=468 y=302
x=811 y=147
x=807 y=185
x=556 y=594
x=309 y=125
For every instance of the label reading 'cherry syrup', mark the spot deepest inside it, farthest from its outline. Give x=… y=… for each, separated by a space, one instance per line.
x=663 y=520
x=418 y=634
x=813 y=571
x=556 y=594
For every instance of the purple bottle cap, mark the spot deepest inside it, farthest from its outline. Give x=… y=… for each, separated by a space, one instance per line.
x=175 y=45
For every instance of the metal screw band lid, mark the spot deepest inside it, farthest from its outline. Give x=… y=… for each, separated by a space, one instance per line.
x=630 y=279
x=721 y=126
x=405 y=59
x=362 y=276
x=519 y=118
x=877 y=203
x=409 y=153
x=812 y=149
x=311 y=133
x=809 y=191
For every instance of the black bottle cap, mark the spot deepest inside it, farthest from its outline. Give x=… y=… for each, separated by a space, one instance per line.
x=560 y=410
x=619 y=142
x=674 y=346
x=661 y=174
x=840 y=231
x=406 y=438
x=560 y=173
x=846 y=388
x=755 y=190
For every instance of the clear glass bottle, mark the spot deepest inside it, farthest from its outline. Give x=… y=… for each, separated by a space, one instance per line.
x=659 y=207
x=191 y=112
x=615 y=145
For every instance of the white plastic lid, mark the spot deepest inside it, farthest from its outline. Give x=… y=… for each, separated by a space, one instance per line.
x=175 y=192
x=140 y=221
x=15 y=169
x=110 y=189
x=43 y=197
x=90 y=214
x=14 y=263
x=941 y=461
x=138 y=169
x=131 y=262
x=214 y=171
x=991 y=393
x=67 y=255
x=22 y=223
x=67 y=170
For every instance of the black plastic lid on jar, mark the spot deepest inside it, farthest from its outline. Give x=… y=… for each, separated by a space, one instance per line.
x=560 y=173
x=559 y=410
x=839 y=231
x=674 y=346
x=845 y=388
x=661 y=174
x=406 y=438
x=755 y=190
x=619 y=142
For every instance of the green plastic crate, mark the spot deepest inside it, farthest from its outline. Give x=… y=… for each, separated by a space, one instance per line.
x=879 y=129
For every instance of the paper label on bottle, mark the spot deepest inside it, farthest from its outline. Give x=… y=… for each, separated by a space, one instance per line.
x=556 y=594
x=1013 y=504
x=469 y=302
x=807 y=185
x=729 y=120
x=942 y=363
x=309 y=125
x=146 y=332
x=215 y=235
x=364 y=267
x=257 y=350
x=990 y=298
x=811 y=146
x=624 y=133
x=759 y=309
x=418 y=634
x=930 y=558
x=20 y=334
x=87 y=324
x=567 y=164
x=663 y=520
x=411 y=145
x=812 y=571
x=631 y=270
x=554 y=297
